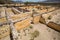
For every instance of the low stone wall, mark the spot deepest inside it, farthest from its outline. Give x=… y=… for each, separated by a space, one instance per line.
x=54 y=26
x=42 y=20
x=36 y=19
x=2 y=12
x=15 y=11
x=2 y=20
x=4 y=31
x=6 y=38
x=9 y=12
x=17 y=26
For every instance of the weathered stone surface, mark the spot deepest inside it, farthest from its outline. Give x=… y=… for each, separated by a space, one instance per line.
x=42 y=20
x=4 y=31
x=2 y=20
x=54 y=26
x=22 y=24
x=6 y=38
x=36 y=19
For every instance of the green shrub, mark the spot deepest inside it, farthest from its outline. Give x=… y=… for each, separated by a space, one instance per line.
x=34 y=34
x=31 y=27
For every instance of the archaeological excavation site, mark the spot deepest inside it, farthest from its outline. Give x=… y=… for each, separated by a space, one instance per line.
x=29 y=20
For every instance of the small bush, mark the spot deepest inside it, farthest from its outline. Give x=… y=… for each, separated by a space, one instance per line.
x=34 y=34
x=31 y=27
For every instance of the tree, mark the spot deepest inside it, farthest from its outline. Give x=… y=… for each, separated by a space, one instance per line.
x=26 y=3
x=5 y=1
x=2 y=1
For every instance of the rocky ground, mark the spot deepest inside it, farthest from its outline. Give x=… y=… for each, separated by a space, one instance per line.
x=29 y=31
x=43 y=33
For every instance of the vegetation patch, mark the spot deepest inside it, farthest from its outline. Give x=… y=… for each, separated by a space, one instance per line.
x=34 y=34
